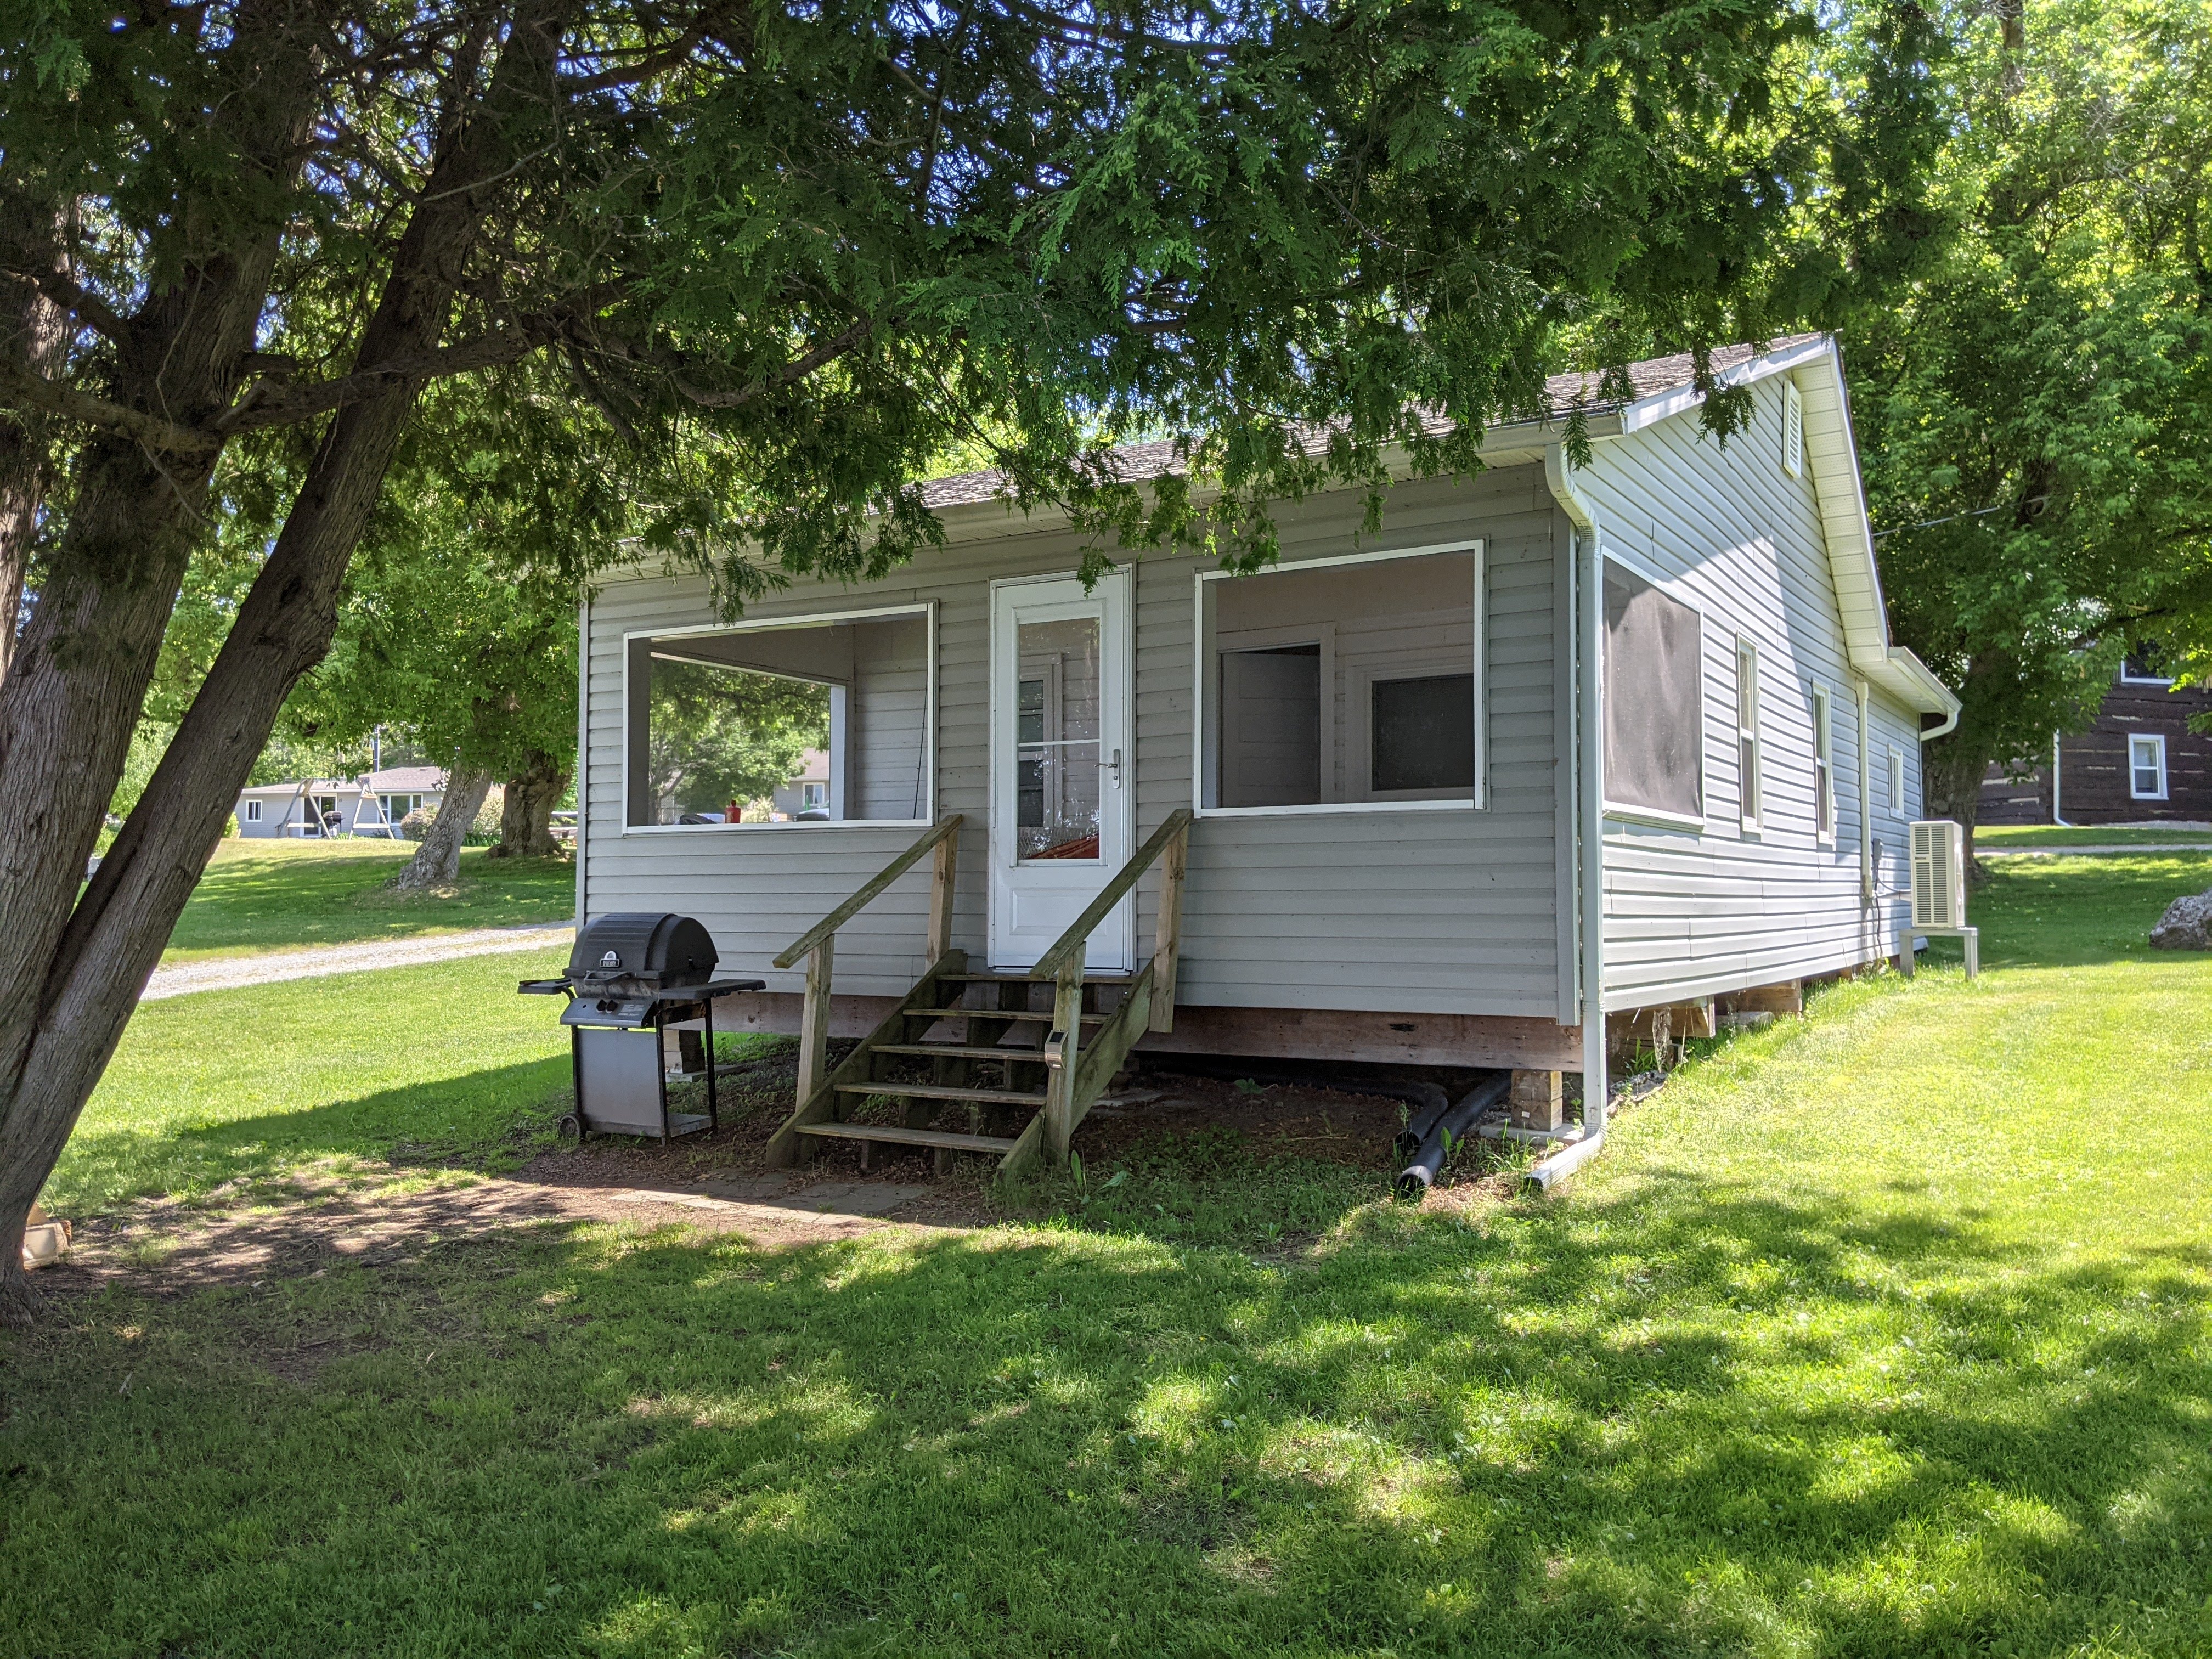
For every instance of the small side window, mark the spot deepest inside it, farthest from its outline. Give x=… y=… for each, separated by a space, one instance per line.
x=1823 y=769
x=253 y=812
x=1749 y=792
x=1896 y=779
x=2146 y=766
x=1792 y=430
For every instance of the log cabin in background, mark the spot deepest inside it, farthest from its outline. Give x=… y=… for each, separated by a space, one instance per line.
x=2139 y=763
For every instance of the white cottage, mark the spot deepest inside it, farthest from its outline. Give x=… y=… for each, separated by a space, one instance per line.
x=1344 y=809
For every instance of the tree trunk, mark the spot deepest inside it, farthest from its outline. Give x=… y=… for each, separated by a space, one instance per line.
x=25 y=459
x=1951 y=772
x=68 y=707
x=525 y=815
x=437 y=861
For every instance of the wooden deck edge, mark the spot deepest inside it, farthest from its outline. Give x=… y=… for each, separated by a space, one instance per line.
x=1504 y=1042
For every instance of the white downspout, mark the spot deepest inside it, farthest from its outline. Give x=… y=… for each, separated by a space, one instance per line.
x=1866 y=801
x=2057 y=817
x=1589 y=603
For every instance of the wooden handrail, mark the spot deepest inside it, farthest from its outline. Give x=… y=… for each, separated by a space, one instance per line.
x=1067 y=950
x=870 y=890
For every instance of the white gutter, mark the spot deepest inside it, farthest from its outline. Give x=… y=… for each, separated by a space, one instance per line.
x=1588 y=599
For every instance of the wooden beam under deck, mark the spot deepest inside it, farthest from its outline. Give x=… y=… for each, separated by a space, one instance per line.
x=1507 y=1043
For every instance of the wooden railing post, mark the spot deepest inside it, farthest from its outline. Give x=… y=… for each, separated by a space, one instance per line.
x=942 y=874
x=1063 y=1049
x=1167 y=948
x=814 y=1020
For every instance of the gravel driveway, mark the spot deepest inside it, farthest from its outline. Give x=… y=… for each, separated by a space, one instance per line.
x=222 y=972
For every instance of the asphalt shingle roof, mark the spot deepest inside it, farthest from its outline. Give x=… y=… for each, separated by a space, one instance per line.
x=1565 y=393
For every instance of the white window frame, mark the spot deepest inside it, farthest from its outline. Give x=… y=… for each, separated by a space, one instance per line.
x=1202 y=751
x=813 y=795
x=253 y=813
x=2157 y=741
x=1823 y=768
x=1624 y=812
x=2127 y=678
x=1750 y=780
x=1793 y=429
x=1896 y=780
x=926 y=609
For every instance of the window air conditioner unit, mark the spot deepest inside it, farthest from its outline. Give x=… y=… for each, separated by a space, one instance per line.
x=1939 y=874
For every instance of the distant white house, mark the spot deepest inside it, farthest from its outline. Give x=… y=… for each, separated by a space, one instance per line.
x=370 y=805
x=807 y=792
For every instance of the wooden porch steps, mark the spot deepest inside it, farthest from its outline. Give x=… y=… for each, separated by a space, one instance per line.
x=1004 y=1013
x=962 y=1051
x=1084 y=1029
x=937 y=1140
x=945 y=1091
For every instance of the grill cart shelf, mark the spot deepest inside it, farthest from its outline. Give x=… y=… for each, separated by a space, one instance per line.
x=631 y=977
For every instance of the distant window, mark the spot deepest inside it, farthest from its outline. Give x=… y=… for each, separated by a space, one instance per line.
x=253 y=812
x=721 y=718
x=1896 y=780
x=1750 y=790
x=1823 y=769
x=1792 y=430
x=2146 y=766
x=1655 y=703
x=2146 y=666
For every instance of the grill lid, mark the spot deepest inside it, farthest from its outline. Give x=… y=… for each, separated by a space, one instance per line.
x=655 y=947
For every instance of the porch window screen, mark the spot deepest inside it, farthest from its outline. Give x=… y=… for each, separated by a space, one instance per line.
x=739 y=726
x=1654 y=699
x=1343 y=682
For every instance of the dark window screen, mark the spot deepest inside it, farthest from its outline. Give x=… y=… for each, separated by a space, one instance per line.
x=1654 y=699
x=1424 y=733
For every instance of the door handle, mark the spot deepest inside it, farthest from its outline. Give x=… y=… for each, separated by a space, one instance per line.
x=1114 y=765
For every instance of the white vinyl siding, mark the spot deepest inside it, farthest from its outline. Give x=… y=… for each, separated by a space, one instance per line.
x=1386 y=910
x=1690 y=915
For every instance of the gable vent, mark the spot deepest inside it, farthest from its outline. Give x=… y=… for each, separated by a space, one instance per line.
x=1792 y=430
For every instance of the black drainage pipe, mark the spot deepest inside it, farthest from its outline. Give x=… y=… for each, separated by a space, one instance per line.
x=1449 y=1129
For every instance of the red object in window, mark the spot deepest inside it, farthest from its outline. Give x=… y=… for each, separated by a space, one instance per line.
x=1084 y=847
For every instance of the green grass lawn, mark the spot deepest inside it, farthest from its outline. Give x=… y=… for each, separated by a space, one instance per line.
x=260 y=896
x=2000 y=838
x=1882 y=1334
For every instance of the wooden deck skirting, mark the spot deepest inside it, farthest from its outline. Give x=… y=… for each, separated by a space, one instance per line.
x=1505 y=1042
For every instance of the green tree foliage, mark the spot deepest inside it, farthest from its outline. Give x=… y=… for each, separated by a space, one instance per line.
x=715 y=736
x=792 y=254
x=2035 y=407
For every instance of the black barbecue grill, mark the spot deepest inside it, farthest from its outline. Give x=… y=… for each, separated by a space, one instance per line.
x=631 y=976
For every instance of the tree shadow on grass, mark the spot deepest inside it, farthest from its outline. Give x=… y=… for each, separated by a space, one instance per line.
x=478 y=1117
x=1600 y=1429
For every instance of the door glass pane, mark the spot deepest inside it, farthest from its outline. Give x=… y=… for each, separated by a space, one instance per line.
x=1056 y=739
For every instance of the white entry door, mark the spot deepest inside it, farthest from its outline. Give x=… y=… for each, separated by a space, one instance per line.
x=1063 y=778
